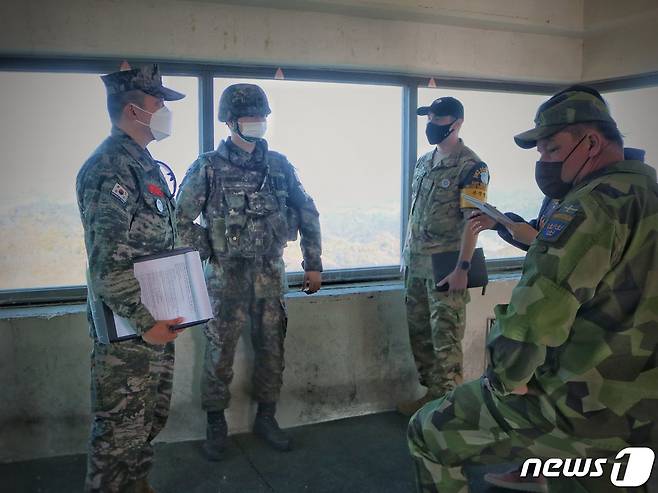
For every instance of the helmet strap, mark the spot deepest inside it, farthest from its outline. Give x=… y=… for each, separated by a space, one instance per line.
x=251 y=140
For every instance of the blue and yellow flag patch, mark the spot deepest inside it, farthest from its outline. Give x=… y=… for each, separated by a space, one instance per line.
x=559 y=222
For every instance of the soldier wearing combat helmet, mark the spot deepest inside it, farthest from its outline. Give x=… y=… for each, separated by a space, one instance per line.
x=573 y=355
x=251 y=203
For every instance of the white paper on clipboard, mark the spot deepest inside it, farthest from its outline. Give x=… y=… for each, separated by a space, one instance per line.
x=489 y=210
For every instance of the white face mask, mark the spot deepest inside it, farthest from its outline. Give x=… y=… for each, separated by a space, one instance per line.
x=253 y=130
x=160 y=124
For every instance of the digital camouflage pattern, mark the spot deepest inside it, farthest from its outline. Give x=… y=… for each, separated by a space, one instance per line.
x=240 y=100
x=126 y=212
x=250 y=204
x=245 y=294
x=131 y=385
x=580 y=331
x=437 y=320
x=146 y=79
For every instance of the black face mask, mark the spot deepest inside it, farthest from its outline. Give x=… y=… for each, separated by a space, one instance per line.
x=438 y=133
x=549 y=179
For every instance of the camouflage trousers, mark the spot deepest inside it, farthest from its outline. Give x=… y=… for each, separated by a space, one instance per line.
x=131 y=383
x=245 y=294
x=459 y=430
x=436 y=321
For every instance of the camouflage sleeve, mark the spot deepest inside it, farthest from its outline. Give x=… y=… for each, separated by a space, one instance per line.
x=473 y=183
x=190 y=203
x=109 y=202
x=563 y=267
x=309 y=222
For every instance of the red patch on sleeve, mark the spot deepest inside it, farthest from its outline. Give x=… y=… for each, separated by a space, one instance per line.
x=153 y=189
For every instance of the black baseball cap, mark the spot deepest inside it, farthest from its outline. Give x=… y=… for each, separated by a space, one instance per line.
x=446 y=106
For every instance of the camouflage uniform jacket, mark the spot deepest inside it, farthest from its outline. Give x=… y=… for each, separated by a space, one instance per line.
x=250 y=204
x=582 y=324
x=436 y=219
x=127 y=212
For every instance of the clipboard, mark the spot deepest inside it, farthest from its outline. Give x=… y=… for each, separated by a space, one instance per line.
x=172 y=284
x=489 y=210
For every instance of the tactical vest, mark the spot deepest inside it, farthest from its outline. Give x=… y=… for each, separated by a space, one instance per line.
x=246 y=210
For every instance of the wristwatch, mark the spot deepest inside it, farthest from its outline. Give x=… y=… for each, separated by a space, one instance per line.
x=465 y=265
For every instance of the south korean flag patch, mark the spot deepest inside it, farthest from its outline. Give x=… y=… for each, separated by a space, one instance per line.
x=120 y=193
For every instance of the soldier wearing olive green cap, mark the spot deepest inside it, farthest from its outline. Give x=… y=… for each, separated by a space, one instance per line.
x=574 y=354
x=127 y=211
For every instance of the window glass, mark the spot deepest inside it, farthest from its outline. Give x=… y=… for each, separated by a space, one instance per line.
x=345 y=141
x=635 y=112
x=491 y=119
x=49 y=124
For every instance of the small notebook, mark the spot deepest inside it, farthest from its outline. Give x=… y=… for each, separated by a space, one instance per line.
x=444 y=263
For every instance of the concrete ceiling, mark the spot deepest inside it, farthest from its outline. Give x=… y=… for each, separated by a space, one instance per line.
x=555 y=17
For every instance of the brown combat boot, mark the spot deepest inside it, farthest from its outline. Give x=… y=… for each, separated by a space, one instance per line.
x=409 y=408
x=143 y=486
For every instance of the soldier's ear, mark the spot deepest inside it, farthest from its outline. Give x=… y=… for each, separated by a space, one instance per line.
x=129 y=112
x=595 y=143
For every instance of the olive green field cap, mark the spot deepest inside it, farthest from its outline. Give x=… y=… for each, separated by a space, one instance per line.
x=577 y=104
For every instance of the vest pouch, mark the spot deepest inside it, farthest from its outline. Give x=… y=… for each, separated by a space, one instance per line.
x=292 y=217
x=261 y=204
x=218 y=235
x=236 y=204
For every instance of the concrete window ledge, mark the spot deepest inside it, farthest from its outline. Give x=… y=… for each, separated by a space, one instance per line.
x=347 y=289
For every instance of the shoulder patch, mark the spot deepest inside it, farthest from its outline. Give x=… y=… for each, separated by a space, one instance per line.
x=120 y=193
x=474 y=184
x=477 y=175
x=563 y=219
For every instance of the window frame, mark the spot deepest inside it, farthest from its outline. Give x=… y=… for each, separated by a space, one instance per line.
x=205 y=74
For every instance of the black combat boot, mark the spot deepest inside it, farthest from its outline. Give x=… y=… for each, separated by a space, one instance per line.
x=266 y=427
x=216 y=436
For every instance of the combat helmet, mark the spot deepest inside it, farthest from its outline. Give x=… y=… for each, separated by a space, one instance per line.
x=239 y=100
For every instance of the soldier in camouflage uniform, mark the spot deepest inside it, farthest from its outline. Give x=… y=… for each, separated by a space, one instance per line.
x=437 y=319
x=251 y=203
x=127 y=211
x=573 y=355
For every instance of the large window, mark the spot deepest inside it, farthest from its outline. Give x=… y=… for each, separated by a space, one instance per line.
x=345 y=141
x=635 y=111
x=49 y=124
x=491 y=119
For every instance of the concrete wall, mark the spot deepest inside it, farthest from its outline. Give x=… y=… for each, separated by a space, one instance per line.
x=347 y=354
x=620 y=39
x=475 y=41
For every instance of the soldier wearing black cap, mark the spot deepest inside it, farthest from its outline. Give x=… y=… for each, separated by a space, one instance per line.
x=127 y=211
x=437 y=221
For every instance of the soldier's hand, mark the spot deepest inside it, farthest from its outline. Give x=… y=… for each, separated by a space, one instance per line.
x=522 y=390
x=457 y=280
x=522 y=232
x=161 y=332
x=312 y=281
x=479 y=221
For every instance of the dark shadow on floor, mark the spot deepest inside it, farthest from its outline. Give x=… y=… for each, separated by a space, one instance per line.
x=367 y=454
